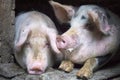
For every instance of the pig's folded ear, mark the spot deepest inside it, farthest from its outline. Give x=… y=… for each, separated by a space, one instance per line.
x=52 y=39
x=62 y=12
x=100 y=20
x=22 y=38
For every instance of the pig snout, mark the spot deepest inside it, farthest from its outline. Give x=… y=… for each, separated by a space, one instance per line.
x=36 y=68
x=67 y=42
x=63 y=42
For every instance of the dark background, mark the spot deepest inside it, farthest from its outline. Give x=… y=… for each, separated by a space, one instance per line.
x=44 y=6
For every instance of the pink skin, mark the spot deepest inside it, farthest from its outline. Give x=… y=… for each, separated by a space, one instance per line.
x=89 y=45
x=84 y=36
x=62 y=42
x=66 y=41
x=36 y=68
x=35 y=42
x=37 y=62
x=93 y=32
x=52 y=35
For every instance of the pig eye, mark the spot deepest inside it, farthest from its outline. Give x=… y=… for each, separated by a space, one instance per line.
x=89 y=27
x=83 y=17
x=104 y=18
x=47 y=45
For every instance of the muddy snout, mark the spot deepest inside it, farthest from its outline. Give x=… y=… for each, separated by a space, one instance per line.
x=63 y=42
x=35 y=68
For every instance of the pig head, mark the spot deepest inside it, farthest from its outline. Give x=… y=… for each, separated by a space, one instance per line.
x=93 y=32
x=35 y=41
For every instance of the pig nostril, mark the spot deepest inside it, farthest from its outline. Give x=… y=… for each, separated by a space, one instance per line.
x=60 y=40
x=63 y=41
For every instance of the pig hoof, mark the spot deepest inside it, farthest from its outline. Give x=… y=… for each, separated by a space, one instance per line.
x=66 y=66
x=84 y=74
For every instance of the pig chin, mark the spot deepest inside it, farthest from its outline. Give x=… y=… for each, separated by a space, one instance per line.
x=35 y=72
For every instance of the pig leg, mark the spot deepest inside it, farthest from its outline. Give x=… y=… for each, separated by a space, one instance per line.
x=93 y=64
x=87 y=70
x=66 y=65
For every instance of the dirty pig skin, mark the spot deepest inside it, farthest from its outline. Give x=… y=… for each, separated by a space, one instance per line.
x=92 y=39
x=35 y=41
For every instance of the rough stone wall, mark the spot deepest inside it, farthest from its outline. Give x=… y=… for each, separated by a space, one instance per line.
x=6 y=30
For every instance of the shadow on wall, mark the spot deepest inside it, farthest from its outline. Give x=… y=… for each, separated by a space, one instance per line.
x=44 y=6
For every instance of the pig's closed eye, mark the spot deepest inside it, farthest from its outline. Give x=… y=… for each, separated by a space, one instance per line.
x=27 y=43
x=47 y=45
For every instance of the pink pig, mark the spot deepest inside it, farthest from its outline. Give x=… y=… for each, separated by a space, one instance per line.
x=35 y=41
x=94 y=36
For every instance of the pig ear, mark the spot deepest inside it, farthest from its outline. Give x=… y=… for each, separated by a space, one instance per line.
x=100 y=20
x=22 y=38
x=52 y=35
x=62 y=12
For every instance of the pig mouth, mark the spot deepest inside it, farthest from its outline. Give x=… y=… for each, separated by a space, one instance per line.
x=36 y=71
x=72 y=49
x=69 y=52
